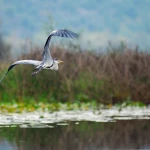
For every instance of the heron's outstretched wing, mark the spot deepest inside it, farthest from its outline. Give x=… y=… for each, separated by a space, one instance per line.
x=27 y=62
x=60 y=33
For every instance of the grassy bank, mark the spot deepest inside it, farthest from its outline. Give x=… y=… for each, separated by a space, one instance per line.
x=84 y=77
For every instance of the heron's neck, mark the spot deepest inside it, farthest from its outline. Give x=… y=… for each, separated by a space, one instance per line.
x=55 y=65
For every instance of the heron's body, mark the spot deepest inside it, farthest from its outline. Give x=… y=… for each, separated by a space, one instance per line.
x=47 y=61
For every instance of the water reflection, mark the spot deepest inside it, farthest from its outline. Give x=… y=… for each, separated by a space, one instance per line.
x=133 y=134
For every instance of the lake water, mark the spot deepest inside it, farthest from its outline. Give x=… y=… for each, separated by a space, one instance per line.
x=77 y=135
x=104 y=129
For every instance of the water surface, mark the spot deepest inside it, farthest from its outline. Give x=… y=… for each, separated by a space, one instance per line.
x=73 y=135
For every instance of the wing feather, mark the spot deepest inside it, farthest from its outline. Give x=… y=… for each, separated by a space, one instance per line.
x=24 y=62
x=27 y=62
x=60 y=33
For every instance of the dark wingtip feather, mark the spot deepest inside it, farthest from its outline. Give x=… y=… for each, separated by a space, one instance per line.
x=72 y=34
x=7 y=71
x=10 y=67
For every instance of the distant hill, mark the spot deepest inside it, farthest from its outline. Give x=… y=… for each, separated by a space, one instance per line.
x=100 y=20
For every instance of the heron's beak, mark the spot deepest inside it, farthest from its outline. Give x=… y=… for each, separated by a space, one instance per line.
x=60 y=61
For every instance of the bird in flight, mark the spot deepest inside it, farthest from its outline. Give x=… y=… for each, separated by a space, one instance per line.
x=47 y=61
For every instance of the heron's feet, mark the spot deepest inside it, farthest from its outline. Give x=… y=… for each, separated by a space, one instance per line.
x=34 y=73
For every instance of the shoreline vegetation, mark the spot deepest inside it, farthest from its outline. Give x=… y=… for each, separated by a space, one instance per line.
x=117 y=76
x=23 y=107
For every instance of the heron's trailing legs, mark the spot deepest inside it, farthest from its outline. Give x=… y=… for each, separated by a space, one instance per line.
x=34 y=73
x=36 y=70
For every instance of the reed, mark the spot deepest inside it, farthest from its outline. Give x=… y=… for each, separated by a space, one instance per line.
x=85 y=76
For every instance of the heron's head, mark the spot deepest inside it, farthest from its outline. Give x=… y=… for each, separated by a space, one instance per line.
x=57 y=61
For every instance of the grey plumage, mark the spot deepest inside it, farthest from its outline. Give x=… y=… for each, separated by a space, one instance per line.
x=47 y=61
x=62 y=33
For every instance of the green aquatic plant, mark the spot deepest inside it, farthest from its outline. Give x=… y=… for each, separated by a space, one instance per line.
x=19 y=107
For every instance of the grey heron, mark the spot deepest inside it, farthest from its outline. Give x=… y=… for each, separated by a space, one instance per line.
x=47 y=61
